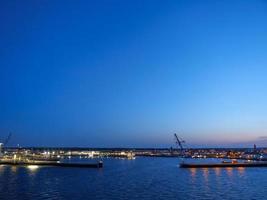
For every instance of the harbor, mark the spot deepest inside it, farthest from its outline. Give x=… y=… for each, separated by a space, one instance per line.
x=60 y=157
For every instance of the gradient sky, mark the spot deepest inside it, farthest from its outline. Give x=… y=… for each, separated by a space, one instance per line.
x=131 y=73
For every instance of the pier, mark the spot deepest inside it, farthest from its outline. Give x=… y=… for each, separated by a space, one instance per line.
x=55 y=164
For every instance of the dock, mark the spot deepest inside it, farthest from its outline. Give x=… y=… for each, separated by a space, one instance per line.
x=222 y=165
x=55 y=164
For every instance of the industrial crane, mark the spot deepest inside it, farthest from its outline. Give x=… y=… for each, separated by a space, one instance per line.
x=7 y=139
x=5 y=142
x=179 y=142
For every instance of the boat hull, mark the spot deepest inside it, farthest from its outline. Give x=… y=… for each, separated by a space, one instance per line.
x=221 y=165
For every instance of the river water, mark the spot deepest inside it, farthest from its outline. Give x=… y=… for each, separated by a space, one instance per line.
x=142 y=178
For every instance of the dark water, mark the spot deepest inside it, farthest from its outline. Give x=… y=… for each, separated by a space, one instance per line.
x=142 y=178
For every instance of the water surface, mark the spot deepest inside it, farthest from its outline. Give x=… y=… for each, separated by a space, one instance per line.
x=142 y=178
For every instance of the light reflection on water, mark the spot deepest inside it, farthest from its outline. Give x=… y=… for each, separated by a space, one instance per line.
x=2 y=169
x=217 y=171
x=229 y=171
x=14 y=169
x=241 y=170
x=32 y=167
x=193 y=172
x=142 y=178
x=206 y=174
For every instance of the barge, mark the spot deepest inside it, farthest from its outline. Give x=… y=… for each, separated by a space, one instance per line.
x=224 y=164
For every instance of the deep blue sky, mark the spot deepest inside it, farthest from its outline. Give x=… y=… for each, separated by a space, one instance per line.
x=131 y=73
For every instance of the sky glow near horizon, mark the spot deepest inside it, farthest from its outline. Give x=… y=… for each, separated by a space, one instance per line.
x=131 y=73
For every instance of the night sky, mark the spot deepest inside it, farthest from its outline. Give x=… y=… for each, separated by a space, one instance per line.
x=131 y=73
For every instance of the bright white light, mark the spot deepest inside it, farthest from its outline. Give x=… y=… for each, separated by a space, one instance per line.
x=32 y=167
